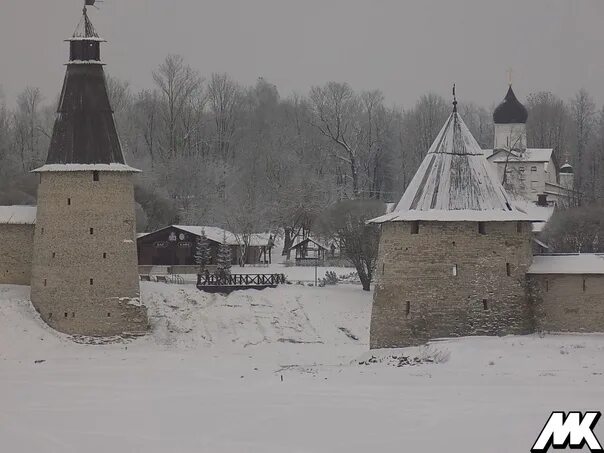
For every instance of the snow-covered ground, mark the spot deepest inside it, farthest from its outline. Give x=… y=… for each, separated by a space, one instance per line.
x=283 y=370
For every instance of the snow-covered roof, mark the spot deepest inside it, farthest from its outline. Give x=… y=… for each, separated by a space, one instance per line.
x=18 y=215
x=540 y=215
x=86 y=167
x=579 y=263
x=217 y=234
x=314 y=241
x=455 y=183
x=540 y=243
x=528 y=155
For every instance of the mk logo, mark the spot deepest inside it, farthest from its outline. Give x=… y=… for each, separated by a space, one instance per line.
x=573 y=431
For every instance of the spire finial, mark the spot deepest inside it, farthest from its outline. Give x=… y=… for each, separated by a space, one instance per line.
x=510 y=73
x=454 y=100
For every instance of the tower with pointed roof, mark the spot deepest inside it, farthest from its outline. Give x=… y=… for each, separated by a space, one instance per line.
x=85 y=273
x=510 y=118
x=454 y=253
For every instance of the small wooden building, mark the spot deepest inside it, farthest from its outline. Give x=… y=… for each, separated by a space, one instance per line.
x=175 y=245
x=309 y=251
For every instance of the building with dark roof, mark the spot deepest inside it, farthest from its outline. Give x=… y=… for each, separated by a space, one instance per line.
x=527 y=173
x=84 y=270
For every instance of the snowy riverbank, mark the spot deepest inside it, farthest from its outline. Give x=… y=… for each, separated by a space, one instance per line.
x=279 y=370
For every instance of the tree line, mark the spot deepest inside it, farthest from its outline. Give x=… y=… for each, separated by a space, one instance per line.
x=215 y=152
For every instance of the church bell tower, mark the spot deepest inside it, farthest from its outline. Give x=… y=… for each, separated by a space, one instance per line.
x=85 y=271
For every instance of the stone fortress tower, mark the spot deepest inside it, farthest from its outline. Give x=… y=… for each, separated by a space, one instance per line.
x=454 y=253
x=84 y=273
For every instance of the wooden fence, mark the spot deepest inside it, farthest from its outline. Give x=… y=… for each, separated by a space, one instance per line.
x=229 y=283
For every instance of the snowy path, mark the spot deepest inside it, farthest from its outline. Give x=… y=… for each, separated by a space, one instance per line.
x=209 y=379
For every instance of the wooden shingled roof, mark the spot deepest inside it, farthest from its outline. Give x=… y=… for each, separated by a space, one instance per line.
x=84 y=130
x=455 y=182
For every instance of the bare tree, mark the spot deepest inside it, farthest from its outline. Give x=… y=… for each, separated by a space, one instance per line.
x=178 y=83
x=583 y=111
x=224 y=97
x=347 y=221
x=547 y=125
x=146 y=112
x=28 y=128
x=336 y=114
x=576 y=230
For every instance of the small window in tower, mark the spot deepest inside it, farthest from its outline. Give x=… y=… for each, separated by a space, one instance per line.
x=584 y=285
x=518 y=227
x=414 y=227
x=66 y=315
x=42 y=230
x=104 y=256
x=73 y=314
x=92 y=281
x=408 y=308
x=508 y=269
x=45 y=282
x=482 y=228
x=485 y=304
x=109 y=315
x=69 y=202
x=54 y=255
x=534 y=168
x=383 y=267
x=455 y=270
x=95 y=175
x=91 y=230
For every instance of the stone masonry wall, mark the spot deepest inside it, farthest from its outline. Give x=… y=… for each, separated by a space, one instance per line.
x=16 y=245
x=418 y=296
x=568 y=303
x=85 y=271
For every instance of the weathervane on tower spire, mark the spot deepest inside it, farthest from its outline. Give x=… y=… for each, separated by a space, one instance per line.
x=88 y=3
x=454 y=100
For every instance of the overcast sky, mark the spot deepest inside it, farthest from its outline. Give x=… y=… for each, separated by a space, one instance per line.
x=405 y=48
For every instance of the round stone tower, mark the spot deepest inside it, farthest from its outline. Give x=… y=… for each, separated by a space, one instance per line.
x=85 y=271
x=453 y=255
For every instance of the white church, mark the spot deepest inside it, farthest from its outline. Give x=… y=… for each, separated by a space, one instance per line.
x=532 y=174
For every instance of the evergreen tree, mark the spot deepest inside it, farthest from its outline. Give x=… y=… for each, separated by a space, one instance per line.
x=202 y=252
x=223 y=260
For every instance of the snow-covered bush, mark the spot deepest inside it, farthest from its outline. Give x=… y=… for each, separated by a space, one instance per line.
x=330 y=279
x=202 y=252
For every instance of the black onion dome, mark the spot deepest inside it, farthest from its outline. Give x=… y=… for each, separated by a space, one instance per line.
x=510 y=111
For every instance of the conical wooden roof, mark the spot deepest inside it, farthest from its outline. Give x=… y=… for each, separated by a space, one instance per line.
x=455 y=182
x=84 y=133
